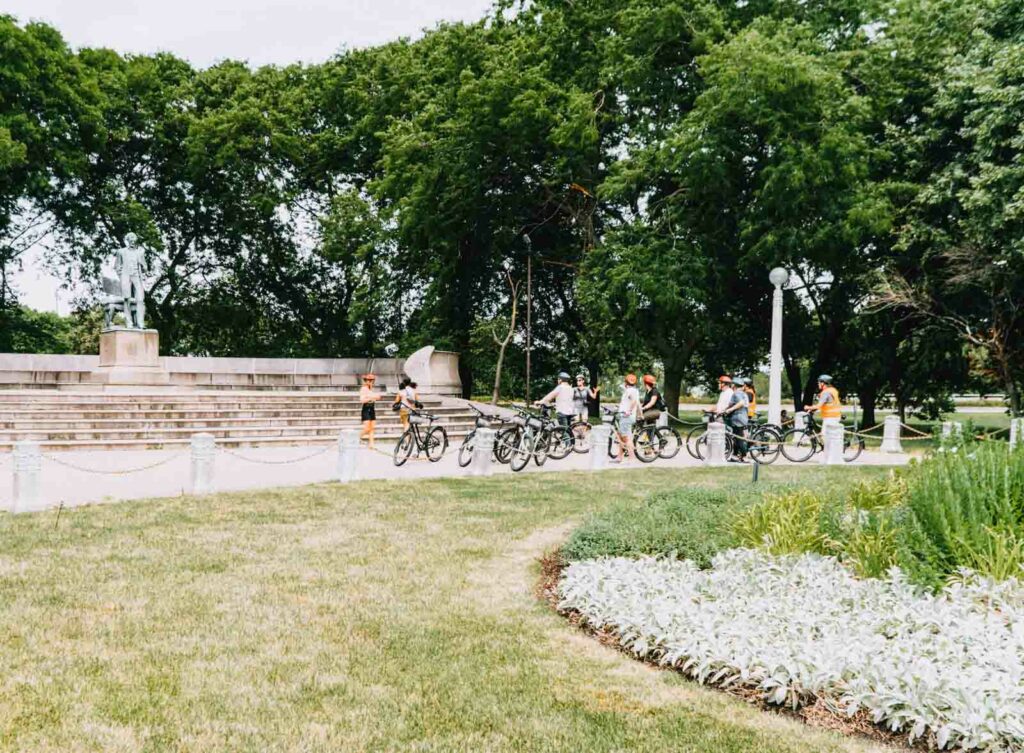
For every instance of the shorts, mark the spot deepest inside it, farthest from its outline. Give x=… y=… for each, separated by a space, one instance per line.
x=369 y=412
x=626 y=425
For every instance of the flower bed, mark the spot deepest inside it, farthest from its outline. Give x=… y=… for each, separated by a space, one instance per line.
x=947 y=667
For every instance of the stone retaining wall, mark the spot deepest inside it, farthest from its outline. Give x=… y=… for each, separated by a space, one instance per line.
x=435 y=371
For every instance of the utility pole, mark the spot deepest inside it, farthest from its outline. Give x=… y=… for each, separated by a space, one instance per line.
x=529 y=310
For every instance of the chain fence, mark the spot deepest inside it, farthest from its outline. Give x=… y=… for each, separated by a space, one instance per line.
x=113 y=471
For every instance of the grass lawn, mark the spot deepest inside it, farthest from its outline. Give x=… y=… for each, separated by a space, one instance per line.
x=379 y=616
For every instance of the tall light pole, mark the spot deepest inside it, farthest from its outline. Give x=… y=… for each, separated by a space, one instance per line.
x=529 y=310
x=778 y=277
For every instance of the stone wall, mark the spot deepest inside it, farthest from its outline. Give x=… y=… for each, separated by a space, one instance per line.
x=434 y=372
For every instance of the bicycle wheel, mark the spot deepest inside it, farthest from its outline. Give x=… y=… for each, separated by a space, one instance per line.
x=541 y=447
x=613 y=444
x=404 y=447
x=580 y=436
x=522 y=452
x=645 y=445
x=798 y=445
x=852 y=448
x=436 y=443
x=465 y=456
x=504 y=441
x=669 y=442
x=765 y=445
x=692 y=437
x=561 y=443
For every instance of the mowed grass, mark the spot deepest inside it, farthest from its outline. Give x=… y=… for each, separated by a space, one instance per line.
x=378 y=616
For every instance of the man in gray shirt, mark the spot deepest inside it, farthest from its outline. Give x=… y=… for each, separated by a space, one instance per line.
x=736 y=416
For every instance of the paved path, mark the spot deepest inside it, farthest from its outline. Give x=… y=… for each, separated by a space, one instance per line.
x=167 y=473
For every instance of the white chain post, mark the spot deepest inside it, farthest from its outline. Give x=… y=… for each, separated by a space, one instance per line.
x=662 y=419
x=348 y=454
x=204 y=446
x=832 y=432
x=1016 y=432
x=799 y=422
x=952 y=429
x=716 y=444
x=599 y=436
x=483 y=450
x=27 y=464
x=891 y=435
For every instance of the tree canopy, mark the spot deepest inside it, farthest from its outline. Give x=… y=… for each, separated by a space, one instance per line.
x=648 y=161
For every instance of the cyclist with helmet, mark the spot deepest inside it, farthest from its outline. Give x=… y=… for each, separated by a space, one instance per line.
x=562 y=397
x=629 y=404
x=828 y=403
x=724 y=394
x=653 y=403
x=737 y=417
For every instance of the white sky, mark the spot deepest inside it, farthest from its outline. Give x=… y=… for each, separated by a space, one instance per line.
x=205 y=31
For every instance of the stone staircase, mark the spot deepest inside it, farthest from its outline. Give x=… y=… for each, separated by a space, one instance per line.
x=156 y=420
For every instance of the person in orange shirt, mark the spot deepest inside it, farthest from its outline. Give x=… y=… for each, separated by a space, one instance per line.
x=828 y=399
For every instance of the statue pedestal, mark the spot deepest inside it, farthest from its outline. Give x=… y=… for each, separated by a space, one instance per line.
x=130 y=357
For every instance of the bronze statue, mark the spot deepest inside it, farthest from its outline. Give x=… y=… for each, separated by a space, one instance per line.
x=130 y=263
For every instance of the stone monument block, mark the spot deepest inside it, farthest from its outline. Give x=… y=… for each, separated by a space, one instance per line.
x=130 y=356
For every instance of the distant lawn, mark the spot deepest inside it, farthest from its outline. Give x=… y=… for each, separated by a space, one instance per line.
x=380 y=616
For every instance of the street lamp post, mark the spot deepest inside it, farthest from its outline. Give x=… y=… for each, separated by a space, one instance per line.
x=778 y=277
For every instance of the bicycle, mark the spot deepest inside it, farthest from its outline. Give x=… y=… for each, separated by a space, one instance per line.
x=560 y=437
x=800 y=445
x=483 y=421
x=531 y=440
x=665 y=438
x=763 y=441
x=424 y=436
x=646 y=446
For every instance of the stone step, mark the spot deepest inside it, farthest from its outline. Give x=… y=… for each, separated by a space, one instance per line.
x=158 y=435
x=64 y=417
x=163 y=405
x=140 y=424
x=455 y=435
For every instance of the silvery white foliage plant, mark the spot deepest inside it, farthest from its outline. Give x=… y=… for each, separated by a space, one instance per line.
x=948 y=667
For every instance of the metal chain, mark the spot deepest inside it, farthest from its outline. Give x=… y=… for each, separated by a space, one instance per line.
x=260 y=461
x=120 y=472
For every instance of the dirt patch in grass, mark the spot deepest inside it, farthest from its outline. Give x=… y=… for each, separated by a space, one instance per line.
x=817 y=714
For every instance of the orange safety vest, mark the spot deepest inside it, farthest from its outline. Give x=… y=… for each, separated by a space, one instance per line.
x=752 y=406
x=833 y=409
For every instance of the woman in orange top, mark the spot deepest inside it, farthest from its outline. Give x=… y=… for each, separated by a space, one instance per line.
x=367 y=400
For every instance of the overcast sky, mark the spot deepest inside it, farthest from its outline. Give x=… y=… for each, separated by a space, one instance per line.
x=205 y=31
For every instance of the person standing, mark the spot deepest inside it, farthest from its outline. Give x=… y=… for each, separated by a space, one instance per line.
x=368 y=408
x=629 y=405
x=724 y=394
x=653 y=403
x=579 y=398
x=828 y=399
x=562 y=397
x=594 y=401
x=748 y=387
x=737 y=418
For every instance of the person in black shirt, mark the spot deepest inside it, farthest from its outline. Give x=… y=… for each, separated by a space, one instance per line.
x=652 y=403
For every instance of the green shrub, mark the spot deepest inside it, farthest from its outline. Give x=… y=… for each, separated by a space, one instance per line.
x=872 y=543
x=968 y=510
x=692 y=522
x=887 y=492
x=787 y=523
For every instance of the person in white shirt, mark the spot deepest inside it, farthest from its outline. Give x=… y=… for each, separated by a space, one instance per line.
x=562 y=396
x=724 y=395
x=629 y=405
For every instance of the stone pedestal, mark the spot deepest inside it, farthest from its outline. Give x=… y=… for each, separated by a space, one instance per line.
x=130 y=357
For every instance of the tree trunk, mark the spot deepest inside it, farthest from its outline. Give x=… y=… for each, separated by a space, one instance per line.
x=497 y=373
x=868 y=401
x=673 y=381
